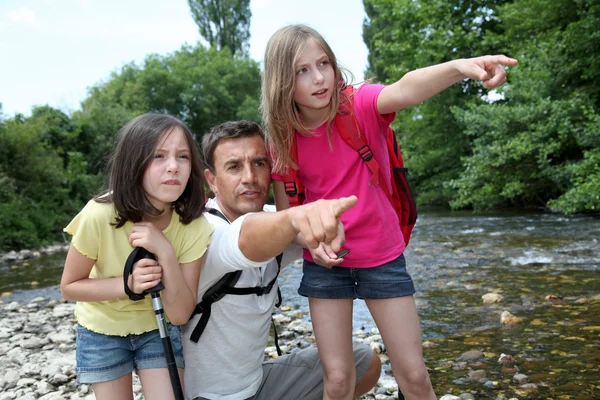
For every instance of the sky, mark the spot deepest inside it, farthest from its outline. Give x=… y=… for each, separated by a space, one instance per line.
x=52 y=51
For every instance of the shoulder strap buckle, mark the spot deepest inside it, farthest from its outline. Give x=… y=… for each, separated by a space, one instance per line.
x=365 y=153
x=291 y=189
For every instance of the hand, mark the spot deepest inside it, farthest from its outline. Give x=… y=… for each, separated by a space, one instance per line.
x=318 y=222
x=146 y=273
x=148 y=236
x=325 y=256
x=486 y=68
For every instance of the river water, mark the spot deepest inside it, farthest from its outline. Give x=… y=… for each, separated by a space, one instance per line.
x=454 y=259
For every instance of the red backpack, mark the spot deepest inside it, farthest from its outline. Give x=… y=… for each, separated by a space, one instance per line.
x=401 y=197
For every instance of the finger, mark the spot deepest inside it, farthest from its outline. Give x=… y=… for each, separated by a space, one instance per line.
x=328 y=224
x=342 y=205
x=475 y=71
x=504 y=60
x=336 y=244
x=303 y=226
x=329 y=252
x=332 y=263
x=145 y=263
x=498 y=78
x=315 y=224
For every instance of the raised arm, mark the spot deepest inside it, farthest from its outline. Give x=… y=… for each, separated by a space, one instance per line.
x=419 y=85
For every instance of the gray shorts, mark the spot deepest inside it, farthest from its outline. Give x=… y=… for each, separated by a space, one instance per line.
x=299 y=376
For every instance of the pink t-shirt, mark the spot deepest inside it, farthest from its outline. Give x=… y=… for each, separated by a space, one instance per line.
x=372 y=231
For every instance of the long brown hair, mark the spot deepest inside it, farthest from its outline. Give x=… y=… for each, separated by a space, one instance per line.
x=279 y=112
x=133 y=151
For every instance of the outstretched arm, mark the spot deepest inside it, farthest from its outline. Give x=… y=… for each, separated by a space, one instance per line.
x=421 y=84
x=264 y=235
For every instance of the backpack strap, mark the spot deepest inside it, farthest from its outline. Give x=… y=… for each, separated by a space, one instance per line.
x=349 y=130
x=225 y=286
x=293 y=187
x=212 y=295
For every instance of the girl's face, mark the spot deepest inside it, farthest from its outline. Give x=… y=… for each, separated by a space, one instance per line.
x=315 y=81
x=167 y=174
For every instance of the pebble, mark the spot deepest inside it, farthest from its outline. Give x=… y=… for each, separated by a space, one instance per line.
x=37 y=351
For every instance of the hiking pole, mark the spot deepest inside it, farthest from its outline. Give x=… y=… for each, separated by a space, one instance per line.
x=138 y=254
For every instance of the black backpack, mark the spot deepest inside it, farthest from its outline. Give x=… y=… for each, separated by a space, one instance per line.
x=225 y=286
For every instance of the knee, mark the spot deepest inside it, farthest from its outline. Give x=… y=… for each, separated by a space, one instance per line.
x=339 y=383
x=417 y=378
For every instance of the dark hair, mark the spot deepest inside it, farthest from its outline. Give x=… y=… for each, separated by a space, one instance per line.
x=227 y=130
x=133 y=150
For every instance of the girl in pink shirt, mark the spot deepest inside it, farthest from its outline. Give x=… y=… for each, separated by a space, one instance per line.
x=301 y=95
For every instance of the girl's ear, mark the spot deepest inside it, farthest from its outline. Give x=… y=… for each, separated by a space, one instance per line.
x=211 y=180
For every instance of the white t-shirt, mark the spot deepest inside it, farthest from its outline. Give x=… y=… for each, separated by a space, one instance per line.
x=226 y=363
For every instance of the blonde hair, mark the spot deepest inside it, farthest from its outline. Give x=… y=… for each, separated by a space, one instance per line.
x=279 y=112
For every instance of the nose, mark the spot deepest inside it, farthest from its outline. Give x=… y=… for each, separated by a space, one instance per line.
x=172 y=165
x=248 y=175
x=318 y=77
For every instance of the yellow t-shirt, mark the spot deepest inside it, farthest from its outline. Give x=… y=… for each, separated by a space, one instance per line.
x=96 y=238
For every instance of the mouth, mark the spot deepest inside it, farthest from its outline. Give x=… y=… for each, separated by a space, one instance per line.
x=320 y=92
x=172 y=182
x=251 y=193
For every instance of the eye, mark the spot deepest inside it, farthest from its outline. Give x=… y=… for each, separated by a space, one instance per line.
x=184 y=156
x=158 y=155
x=260 y=164
x=301 y=71
x=324 y=63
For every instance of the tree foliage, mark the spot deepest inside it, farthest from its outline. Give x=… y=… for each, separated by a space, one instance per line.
x=536 y=144
x=201 y=86
x=223 y=23
x=403 y=35
x=52 y=163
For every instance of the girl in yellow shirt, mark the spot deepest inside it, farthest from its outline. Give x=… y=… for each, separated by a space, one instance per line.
x=154 y=200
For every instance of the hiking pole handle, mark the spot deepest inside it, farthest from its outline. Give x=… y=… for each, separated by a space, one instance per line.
x=146 y=254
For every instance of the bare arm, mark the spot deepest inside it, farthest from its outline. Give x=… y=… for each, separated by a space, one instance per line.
x=77 y=285
x=419 y=85
x=317 y=222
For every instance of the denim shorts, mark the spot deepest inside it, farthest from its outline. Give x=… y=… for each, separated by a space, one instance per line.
x=102 y=358
x=382 y=282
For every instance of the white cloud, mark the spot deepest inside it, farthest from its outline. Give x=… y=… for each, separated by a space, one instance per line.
x=24 y=16
x=84 y=4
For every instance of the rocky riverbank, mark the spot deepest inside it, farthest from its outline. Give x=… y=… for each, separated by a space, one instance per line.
x=22 y=255
x=37 y=353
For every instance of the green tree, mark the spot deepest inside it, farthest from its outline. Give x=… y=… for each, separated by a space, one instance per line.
x=542 y=146
x=403 y=35
x=223 y=23
x=201 y=86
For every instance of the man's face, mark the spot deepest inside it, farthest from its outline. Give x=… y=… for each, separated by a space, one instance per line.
x=242 y=176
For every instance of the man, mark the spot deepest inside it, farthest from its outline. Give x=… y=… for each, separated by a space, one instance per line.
x=227 y=360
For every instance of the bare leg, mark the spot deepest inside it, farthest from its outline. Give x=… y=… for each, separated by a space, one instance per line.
x=332 y=322
x=398 y=323
x=117 y=389
x=156 y=383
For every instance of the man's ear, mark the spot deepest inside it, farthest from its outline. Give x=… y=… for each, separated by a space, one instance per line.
x=211 y=179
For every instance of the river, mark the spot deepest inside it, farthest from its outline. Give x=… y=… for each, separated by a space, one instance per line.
x=454 y=259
